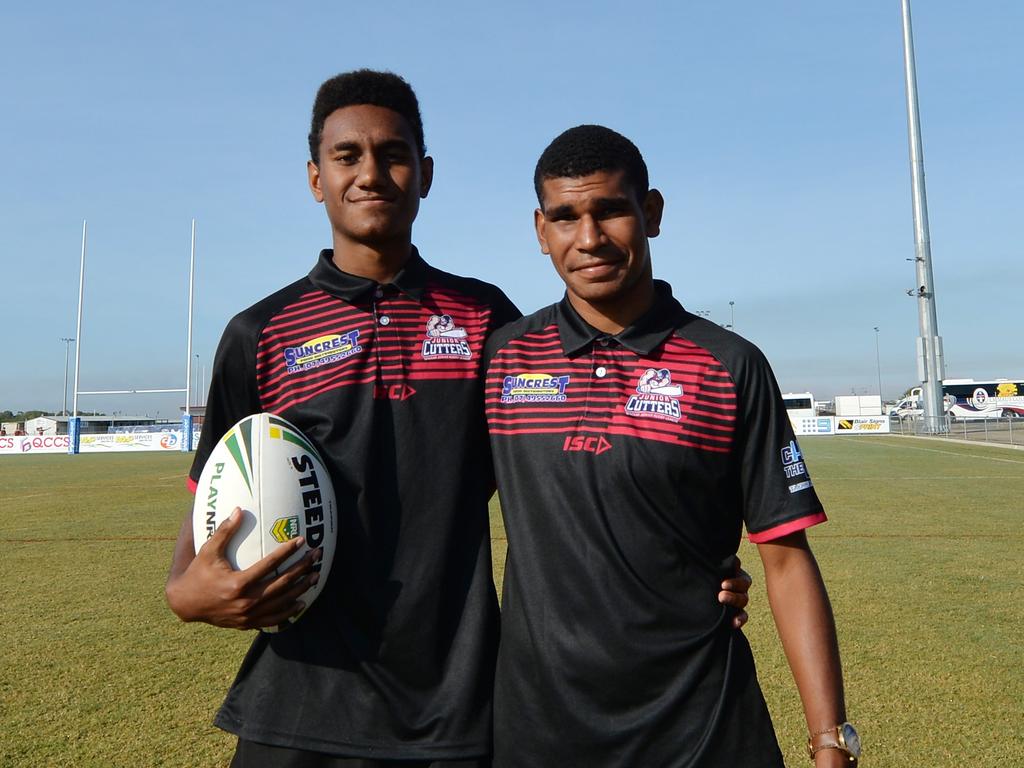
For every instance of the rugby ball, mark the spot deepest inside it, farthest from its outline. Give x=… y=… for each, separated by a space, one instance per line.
x=269 y=469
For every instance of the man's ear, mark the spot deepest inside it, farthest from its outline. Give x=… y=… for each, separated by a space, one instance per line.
x=654 y=206
x=426 y=175
x=539 y=223
x=314 y=181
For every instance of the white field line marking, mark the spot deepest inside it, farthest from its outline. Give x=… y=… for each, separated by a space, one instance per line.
x=925 y=477
x=951 y=453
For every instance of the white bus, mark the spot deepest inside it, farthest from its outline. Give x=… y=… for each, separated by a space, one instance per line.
x=970 y=399
x=799 y=405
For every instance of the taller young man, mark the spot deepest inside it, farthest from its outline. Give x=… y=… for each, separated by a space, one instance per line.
x=632 y=441
x=395 y=660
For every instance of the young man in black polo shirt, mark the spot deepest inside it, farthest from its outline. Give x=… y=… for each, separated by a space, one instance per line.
x=394 y=663
x=632 y=441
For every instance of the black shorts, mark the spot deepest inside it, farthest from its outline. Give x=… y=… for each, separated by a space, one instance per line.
x=251 y=754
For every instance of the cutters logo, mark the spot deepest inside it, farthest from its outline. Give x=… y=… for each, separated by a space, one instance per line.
x=169 y=440
x=595 y=445
x=534 y=388
x=656 y=396
x=323 y=350
x=445 y=341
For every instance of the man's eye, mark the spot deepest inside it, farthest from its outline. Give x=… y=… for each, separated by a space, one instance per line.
x=347 y=159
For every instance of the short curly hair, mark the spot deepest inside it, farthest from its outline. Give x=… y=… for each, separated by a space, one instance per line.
x=588 y=149
x=365 y=86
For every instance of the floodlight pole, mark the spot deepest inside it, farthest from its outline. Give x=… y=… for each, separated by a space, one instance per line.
x=930 y=368
x=732 y=315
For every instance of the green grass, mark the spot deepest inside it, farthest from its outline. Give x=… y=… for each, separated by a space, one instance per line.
x=922 y=556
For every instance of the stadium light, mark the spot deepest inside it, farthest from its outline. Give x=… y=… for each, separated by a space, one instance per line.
x=930 y=367
x=732 y=315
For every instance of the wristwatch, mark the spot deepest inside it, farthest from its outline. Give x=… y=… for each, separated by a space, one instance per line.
x=842 y=737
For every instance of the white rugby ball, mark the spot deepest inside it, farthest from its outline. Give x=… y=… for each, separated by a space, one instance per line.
x=269 y=469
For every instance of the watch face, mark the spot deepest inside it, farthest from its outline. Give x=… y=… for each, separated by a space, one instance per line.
x=851 y=739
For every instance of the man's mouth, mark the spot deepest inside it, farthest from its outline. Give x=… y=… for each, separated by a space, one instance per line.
x=597 y=269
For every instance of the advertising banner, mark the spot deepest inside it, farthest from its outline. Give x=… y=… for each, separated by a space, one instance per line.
x=104 y=443
x=813 y=425
x=862 y=425
x=34 y=444
x=139 y=441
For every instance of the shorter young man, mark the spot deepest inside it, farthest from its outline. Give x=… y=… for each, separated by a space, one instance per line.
x=632 y=442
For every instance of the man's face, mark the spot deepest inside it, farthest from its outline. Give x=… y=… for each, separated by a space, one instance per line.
x=370 y=177
x=595 y=230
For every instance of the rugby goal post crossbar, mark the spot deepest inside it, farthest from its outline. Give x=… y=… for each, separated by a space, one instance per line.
x=75 y=422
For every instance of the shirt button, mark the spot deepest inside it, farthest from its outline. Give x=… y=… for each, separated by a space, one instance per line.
x=379 y=292
x=604 y=342
x=601 y=372
x=385 y=320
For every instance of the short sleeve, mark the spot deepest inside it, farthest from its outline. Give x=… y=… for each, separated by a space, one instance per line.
x=503 y=311
x=233 y=391
x=778 y=495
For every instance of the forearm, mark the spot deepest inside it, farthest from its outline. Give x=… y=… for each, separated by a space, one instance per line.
x=184 y=554
x=806 y=627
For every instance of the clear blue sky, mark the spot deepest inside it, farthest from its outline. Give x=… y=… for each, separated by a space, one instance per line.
x=776 y=131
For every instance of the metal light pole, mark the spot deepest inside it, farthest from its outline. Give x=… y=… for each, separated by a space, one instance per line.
x=195 y=400
x=732 y=315
x=929 y=344
x=878 y=364
x=67 y=352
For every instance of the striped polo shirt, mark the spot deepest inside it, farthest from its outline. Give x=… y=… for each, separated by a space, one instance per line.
x=627 y=468
x=395 y=659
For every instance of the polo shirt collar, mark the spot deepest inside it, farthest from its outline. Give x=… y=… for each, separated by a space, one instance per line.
x=326 y=276
x=650 y=329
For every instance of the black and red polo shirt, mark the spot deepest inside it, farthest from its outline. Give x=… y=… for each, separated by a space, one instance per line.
x=395 y=659
x=627 y=467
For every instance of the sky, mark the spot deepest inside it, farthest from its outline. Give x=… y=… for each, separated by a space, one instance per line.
x=777 y=133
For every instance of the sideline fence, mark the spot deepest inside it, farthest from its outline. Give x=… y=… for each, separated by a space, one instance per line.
x=1006 y=431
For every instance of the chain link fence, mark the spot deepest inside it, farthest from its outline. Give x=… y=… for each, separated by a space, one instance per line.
x=1008 y=431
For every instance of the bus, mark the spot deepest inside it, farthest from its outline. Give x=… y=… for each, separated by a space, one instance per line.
x=970 y=399
x=799 y=405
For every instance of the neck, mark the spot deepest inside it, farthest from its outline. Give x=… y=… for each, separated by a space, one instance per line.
x=615 y=316
x=379 y=263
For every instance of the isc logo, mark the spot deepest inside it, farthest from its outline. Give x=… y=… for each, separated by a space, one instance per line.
x=596 y=445
x=392 y=392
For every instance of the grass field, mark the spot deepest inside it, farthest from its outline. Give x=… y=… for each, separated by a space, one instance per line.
x=923 y=559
